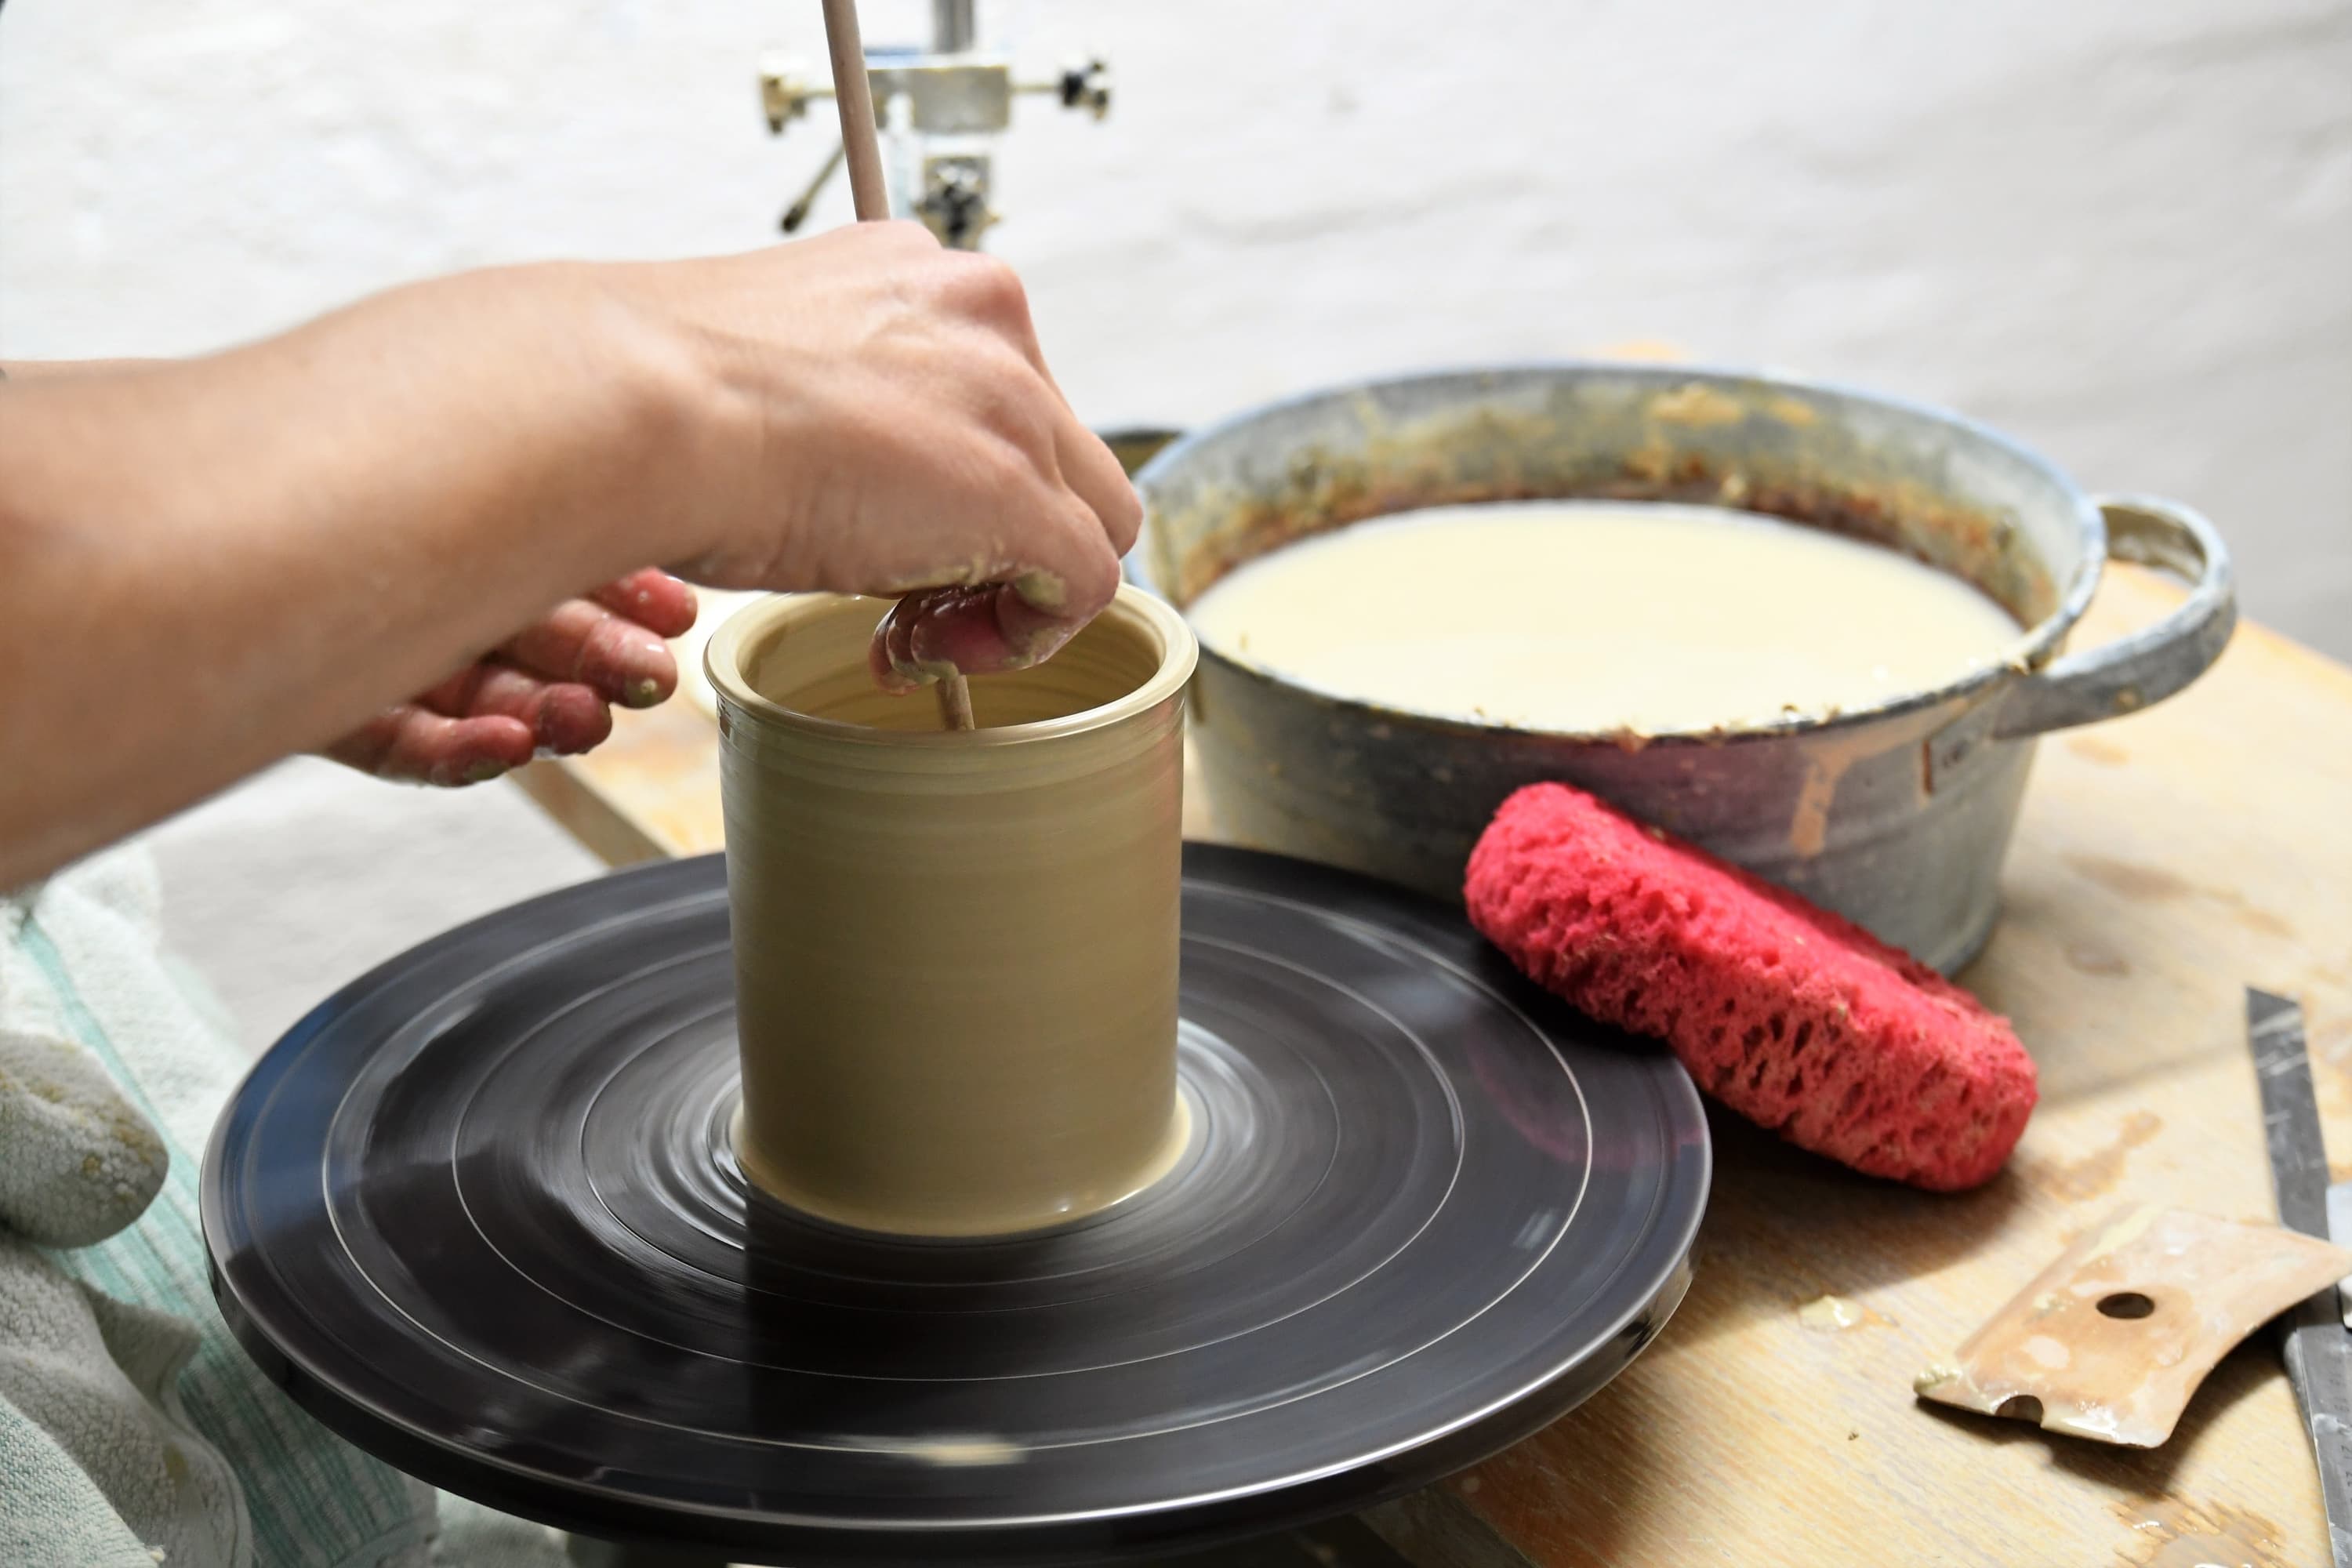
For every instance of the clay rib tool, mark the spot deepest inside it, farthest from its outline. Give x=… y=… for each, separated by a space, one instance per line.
x=2318 y=1345
x=853 y=92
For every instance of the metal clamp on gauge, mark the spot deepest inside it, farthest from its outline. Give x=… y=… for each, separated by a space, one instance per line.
x=941 y=109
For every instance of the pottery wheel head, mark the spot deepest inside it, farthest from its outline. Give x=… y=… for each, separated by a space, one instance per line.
x=480 y=1214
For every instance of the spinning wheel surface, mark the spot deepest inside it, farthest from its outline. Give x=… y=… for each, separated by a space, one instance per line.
x=478 y=1213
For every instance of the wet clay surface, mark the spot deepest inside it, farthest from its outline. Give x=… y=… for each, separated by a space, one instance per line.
x=2094 y=1175
x=2183 y=1535
x=1600 y=617
x=956 y=954
x=1837 y=1315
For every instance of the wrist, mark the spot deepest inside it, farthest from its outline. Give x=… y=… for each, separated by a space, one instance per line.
x=679 y=421
x=608 y=412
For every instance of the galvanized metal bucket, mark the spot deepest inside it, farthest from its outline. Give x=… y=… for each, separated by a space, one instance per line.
x=1896 y=816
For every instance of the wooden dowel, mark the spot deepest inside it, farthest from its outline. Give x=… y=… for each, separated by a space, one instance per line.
x=853 y=93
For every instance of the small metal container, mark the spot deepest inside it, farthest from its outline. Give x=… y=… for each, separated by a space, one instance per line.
x=1896 y=816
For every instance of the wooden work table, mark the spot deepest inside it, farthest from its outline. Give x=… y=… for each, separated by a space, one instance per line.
x=2163 y=862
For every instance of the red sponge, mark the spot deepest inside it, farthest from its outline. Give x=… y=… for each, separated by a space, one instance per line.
x=1799 y=1020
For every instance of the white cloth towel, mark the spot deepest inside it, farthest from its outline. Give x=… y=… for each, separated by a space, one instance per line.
x=132 y=1430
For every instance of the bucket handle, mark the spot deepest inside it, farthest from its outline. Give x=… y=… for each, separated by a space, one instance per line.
x=2153 y=662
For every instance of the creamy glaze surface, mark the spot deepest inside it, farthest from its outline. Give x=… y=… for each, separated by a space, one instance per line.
x=1602 y=616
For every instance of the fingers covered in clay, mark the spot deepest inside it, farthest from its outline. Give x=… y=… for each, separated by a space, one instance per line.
x=565 y=717
x=618 y=657
x=547 y=691
x=657 y=601
x=976 y=631
x=410 y=745
x=916 y=443
x=484 y=720
x=1024 y=615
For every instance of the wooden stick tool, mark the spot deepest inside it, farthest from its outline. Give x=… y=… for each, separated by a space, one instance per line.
x=854 y=94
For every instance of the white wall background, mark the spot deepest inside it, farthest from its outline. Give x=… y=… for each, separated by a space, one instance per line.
x=2121 y=228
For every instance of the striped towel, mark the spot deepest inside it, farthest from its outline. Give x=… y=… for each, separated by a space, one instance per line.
x=132 y=1430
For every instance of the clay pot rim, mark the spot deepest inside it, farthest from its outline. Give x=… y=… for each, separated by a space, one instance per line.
x=1179 y=653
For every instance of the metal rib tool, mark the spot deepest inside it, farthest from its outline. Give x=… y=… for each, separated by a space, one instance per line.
x=2317 y=1344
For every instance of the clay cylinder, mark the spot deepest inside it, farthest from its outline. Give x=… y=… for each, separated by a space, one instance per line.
x=955 y=953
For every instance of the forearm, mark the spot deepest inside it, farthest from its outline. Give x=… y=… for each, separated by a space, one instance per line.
x=49 y=370
x=207 y=565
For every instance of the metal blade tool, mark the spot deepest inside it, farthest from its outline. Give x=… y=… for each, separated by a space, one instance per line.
x=2317 y=1340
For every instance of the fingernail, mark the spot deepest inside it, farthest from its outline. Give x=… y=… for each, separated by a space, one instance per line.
x=934 y=580
x=922 y=672
x=1042 y=591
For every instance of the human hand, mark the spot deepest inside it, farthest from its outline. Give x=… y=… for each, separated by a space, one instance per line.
x=898 y=435
x=549 y=689
x=437 y=464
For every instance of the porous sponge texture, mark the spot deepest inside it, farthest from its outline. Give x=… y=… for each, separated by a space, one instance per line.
x=1797 y=1019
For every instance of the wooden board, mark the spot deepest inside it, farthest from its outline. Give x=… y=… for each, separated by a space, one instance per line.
x=2163 y=862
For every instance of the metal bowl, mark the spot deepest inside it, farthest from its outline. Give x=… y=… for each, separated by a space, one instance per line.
x=1896 y=816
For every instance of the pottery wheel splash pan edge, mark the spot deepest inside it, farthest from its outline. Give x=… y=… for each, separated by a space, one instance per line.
x=477 y=1213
